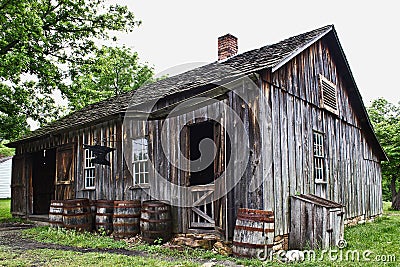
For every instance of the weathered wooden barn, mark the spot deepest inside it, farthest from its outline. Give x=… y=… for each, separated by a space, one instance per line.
x=312 y=135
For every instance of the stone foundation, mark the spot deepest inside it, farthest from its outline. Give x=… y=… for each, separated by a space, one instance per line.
x=204 y=241
x=360 y=220
x=281 y=242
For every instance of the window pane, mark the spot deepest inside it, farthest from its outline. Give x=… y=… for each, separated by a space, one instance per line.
x=139 y=160
x=319 y=154
x=89 y=169
x=136 y=149
x=137 y=178
x=145 y=149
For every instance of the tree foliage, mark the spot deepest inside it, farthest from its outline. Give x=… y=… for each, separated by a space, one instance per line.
x=5 y=151
x=41 y=41
x=385 y=118
x=112 y=71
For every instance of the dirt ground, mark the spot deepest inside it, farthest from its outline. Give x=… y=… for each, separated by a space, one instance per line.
x=11 y=237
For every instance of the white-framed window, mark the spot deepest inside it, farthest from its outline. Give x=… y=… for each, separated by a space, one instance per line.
x=319 y=157
x=140 y=158
x=89 y=170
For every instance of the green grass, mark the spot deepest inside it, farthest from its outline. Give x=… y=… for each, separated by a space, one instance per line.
x=381 y=238
x=5 y=209
x=387 y=209
x=72 y=238
x=5 y=215
x=51 y=257
x=89 y=240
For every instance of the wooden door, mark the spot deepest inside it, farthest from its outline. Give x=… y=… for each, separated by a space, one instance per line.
x=202 y=213
x=201 y=177
x=42 y=180
x=336 y=226
x=18 y=186
x=219 y=178
x=65 y=186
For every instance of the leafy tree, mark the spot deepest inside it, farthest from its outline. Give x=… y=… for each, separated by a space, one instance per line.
x=385 y=118
x=40 y=42
x=5 y=151
x=111 y=72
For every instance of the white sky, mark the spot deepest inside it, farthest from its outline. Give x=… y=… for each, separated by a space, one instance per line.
x=177 y=32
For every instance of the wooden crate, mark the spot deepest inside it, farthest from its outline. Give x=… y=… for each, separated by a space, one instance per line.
x=315 y=222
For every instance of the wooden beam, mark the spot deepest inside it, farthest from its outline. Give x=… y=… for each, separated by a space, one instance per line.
x=202 y=198
x=203 y=215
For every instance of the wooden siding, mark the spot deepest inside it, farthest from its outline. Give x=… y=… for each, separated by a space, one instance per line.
x=176 y=139
x=109 y=183
x=242 y=196
x=245 y=194
x=352 y=168
x=18 y=187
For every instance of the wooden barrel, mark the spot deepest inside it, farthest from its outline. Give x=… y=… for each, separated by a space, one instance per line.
x=77 y=214
x=104 y=216
x=155 y=221
x=56 y=213
x=254 y=233
x=126 y=218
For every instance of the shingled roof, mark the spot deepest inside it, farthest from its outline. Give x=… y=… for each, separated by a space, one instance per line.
x=242 y=64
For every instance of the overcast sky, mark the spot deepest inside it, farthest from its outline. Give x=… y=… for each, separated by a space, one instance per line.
x=178 y=32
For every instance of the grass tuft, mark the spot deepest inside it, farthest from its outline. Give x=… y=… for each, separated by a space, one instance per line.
x=72 y=238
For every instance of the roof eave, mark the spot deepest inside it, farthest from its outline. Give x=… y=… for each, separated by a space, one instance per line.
x=14 y=144
x=357 y=91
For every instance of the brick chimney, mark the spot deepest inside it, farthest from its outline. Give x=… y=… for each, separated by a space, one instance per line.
x=227 y=46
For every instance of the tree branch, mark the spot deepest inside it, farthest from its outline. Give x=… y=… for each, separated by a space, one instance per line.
x=8 y=47
x=5 y=4
x=393 y=187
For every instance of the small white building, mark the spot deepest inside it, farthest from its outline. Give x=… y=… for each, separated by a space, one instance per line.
x=5 y=177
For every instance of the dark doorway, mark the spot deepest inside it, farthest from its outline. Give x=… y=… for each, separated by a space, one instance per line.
x=199 y=132
x=43 y=177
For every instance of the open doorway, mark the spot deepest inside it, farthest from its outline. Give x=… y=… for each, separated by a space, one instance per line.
x=199 y=132
x=43 y=176
x=202 y=174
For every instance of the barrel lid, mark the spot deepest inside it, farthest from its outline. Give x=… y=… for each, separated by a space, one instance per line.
x=123 y=203
x=255 y=212
x=76 y=200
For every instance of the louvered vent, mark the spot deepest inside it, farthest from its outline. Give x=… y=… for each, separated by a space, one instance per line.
x=329 y=95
